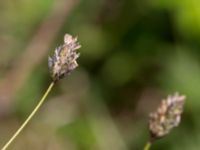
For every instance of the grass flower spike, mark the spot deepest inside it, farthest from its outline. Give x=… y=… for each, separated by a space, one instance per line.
x=64 y=59
x=166 y=117
x=60 y=64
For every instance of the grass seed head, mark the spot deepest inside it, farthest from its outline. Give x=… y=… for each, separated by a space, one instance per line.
x=167 y=116
x=64 y=60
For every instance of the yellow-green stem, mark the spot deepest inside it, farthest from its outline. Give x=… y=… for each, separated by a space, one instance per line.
x=147 y=146
x=29 y=117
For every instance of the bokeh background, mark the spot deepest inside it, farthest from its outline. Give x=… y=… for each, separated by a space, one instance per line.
x=134 y=53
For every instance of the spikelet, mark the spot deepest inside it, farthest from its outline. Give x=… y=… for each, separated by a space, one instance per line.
x=64 y=59
x=167 y=116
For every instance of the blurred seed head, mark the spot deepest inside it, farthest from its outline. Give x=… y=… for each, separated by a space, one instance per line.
x=167 y=116
x=64 y=59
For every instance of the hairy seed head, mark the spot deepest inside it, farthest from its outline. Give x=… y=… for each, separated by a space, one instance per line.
x=64 y=59
x=167 y=116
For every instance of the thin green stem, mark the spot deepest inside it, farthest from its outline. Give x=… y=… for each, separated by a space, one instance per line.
x=29 y=117
x=147 y=146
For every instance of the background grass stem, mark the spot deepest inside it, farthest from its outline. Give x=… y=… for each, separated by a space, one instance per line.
x=147 y=146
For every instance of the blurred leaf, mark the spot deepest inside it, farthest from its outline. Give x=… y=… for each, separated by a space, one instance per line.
x=185 y=14
x=80 y=133
x=31 y=92
x=118 y=69
x=182 y=75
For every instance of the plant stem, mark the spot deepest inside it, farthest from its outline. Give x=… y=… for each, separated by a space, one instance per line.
x=147 y=146
x=29 y=117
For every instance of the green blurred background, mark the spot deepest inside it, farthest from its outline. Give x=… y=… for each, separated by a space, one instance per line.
x=134 y=53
